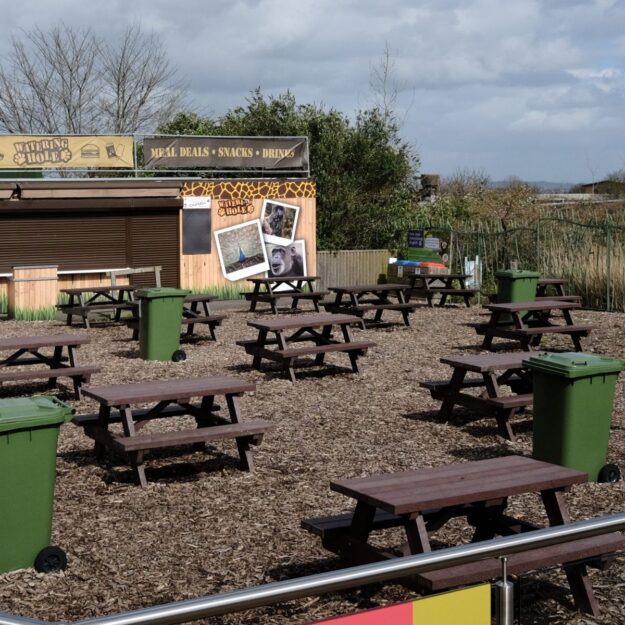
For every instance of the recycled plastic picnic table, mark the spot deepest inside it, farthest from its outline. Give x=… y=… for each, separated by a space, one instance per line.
x=315 y=327
x=377 y=298
x=530 y=321
x=429 y=285
x=496 y=372
x=554 y=284
x=423 y=500
x=270 y=290
x=86 y=300
x=170 y=398
x=63 y=362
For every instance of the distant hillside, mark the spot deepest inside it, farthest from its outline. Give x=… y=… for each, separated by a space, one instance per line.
x=542 y=185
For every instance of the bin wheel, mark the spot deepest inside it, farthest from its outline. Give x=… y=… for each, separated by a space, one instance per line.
x=178 y=356
x=50 y=560
x=609 y=473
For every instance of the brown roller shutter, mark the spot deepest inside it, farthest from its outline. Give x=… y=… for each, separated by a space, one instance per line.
x=98 y=240
x=153 y=239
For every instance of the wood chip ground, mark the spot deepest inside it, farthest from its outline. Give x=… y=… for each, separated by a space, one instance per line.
x=203 y=526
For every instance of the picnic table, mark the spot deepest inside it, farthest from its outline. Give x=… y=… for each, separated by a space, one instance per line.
x=270 y=290
x=429 y=285
x=528 y=322
x=554 y=284
x=348 y=300
x=27 y=351
x=422 y=501
x=495 y=371
x=195 y=310
x=97 y=299
x=315 y=327
x=170 y=398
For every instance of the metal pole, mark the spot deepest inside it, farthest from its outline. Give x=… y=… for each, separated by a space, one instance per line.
x=504 y=597
x=269 y=594
x=608 y=245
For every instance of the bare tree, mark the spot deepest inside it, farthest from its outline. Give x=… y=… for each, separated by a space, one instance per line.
x=141 y=89
x=68 y=81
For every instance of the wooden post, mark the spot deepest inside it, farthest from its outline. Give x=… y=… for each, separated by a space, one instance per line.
x=32 y=288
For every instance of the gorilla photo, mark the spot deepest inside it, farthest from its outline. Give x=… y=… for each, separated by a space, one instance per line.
x=274 y=222
x=285 y=261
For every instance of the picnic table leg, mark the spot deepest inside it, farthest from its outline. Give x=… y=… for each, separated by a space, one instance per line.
x=417 y=534
x=254 y=297
x=326 y=334
x=353 y=297
x=243 y=442
x=136 y=457
x=294 y=303
x=347 y=337
x=503 y=415
x=103 y=424
x=566 y=313
x=288 y=362
x=56 y=363
x=405 y=312
x=72 y=352
x=455 y=384
x=68 y=318
x=260 y=342
x=581 y=588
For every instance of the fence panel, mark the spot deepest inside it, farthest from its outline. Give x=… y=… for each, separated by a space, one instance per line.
x=350 y=267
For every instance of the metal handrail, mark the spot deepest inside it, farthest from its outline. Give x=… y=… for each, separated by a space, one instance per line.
x=268 y=594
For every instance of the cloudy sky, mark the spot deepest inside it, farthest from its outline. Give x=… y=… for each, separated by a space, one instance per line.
x=525 y=88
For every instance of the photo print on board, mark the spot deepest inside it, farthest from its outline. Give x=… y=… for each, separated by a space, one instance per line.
x=279 y=221
x=241 y=250
x=286 y=261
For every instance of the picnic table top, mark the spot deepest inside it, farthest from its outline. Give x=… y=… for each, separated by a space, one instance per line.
x=368 y=288
x=163 y=390
x=441 y=276
x=482 y=363
x=200 y=297
x=546 y=281
x=282 y=279
x=545 y=304
x=99 y=289
x=43 y=340
x=302 y=321
x=458 y=483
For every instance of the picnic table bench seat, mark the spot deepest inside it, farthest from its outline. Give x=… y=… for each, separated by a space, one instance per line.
x=596 y=552
x=79 y=375
x=358 y=347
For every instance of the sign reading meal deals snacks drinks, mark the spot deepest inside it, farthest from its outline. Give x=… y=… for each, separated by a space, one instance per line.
x=469 y=606
x=65 y=151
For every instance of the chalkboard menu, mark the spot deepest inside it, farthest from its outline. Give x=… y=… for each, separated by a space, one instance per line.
x=416 y=238
x=196 y=231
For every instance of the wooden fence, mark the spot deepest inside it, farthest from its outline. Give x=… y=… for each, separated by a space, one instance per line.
x=349 y=267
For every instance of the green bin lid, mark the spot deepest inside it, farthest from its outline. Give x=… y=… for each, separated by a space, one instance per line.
x=516 y=274
x=155 y=293
x=28 y=412
x=575 y=364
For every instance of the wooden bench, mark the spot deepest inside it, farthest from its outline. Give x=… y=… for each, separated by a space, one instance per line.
x=86 y=301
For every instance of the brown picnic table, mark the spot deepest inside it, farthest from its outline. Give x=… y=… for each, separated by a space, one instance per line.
x=424 y=500
x=97 y=299
x=496 y=372
x=546 y=285
x=270 y=290
x=166 y=399
x=315 y=328
x=429 y=285
x=528 y=322
x=348 y=299
x=195 y=311
x=62 y=362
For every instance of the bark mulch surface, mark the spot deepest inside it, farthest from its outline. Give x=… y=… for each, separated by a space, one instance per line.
x=203 y=526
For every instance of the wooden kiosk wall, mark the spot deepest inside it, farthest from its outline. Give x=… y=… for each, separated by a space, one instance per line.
x=203 y=271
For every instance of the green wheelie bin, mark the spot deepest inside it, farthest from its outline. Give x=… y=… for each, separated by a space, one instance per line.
x=160 y=316
x=573 y=402
x=515 y=286
x=29 y=429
